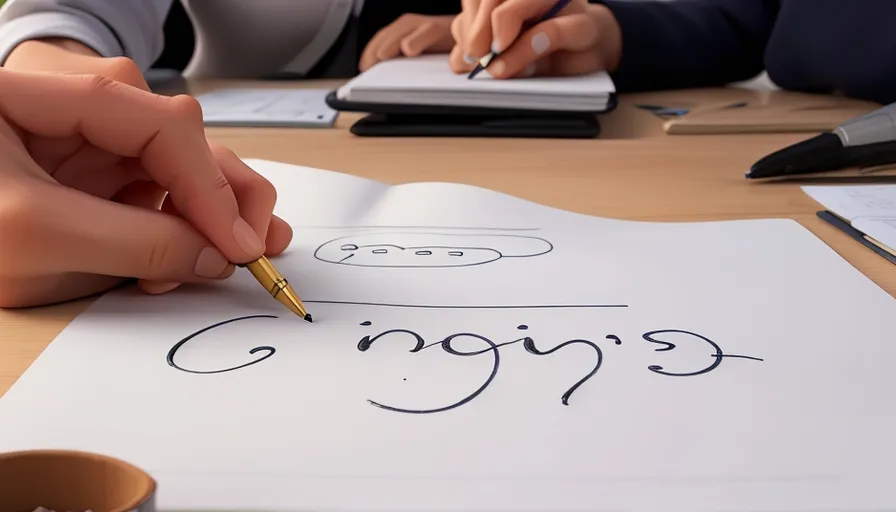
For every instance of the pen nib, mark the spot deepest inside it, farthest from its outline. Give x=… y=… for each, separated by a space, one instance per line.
x=288 y=298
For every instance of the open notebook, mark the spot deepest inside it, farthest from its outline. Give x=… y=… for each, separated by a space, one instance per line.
x=474 y=351
x=428 y=80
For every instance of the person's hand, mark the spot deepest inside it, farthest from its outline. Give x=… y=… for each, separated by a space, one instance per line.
x=410 y=35
x=101 y=181
x=580 y=39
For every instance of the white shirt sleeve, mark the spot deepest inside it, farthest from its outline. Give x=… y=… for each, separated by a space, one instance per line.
x=131 y=28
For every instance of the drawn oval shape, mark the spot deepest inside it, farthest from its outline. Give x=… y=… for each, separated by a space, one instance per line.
x=269 y=351
x=428 y=249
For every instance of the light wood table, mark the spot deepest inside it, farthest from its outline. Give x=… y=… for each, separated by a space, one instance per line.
x=635 y=171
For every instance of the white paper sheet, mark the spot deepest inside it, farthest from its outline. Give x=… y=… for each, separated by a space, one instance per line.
x=780 y=399
x=305 y=108
x=869 y=208
x=428 y=80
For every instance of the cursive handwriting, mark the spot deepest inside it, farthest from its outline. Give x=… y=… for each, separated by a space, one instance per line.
x=717 y=354
x=528 y=344
x=270 y=350
x=448 y=346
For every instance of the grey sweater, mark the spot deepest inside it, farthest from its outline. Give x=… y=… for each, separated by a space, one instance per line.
x=235 y=38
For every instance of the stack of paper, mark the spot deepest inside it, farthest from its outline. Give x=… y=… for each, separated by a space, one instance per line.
x=428 y=80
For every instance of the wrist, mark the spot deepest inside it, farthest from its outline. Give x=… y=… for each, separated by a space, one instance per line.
x=48 y=53
x=610 y=35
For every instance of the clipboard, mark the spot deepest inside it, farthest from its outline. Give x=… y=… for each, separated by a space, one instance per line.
x=754 y=112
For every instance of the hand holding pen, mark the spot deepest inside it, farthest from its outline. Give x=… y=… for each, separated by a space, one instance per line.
x=523 y=38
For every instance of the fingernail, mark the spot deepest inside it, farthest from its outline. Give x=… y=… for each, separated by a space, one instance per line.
x=469 y=59
x=210 y=263
x=496 y=46
x=246 y=238
x=227 y=272
x=540 y=42
x=157 y=287
x=529 y=71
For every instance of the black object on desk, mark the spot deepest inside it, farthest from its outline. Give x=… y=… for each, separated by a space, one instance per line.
x=865 y=141
x=402 y=120
x=855 y=234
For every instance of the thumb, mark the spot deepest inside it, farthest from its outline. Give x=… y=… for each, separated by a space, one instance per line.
x=64 y=230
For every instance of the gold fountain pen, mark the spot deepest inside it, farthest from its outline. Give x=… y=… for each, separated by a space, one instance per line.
x=277 y=286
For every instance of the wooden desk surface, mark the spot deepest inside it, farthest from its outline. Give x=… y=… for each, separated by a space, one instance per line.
x=635 y=171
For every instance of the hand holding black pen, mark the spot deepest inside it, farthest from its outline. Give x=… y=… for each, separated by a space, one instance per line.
x=523 y=38
x=495 y=51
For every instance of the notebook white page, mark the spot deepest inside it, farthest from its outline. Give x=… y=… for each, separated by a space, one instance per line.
x=722 y=366
x=869 y=208
x=428 y=79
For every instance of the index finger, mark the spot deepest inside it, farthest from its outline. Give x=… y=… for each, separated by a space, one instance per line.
x=165 y=133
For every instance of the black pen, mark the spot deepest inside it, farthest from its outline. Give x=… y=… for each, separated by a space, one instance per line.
x=492 y=55
x=864 y=141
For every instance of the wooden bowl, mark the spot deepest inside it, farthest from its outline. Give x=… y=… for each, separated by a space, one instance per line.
x=72 y=481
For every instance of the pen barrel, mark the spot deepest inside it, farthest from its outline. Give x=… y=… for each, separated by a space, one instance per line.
x=268 y=276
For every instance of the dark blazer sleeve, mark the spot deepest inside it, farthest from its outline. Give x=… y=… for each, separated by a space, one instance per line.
x=690 y=43
x=844 y=46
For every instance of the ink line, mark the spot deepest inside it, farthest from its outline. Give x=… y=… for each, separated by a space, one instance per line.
x=453 y=228
x=528 y=344
x=367 y=341
x=717 y=354
x=429 y=249
x=270 y=350
x=484 y=306
x=740 y=357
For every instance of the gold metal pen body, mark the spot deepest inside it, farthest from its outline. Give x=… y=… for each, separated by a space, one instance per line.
x=277 y=285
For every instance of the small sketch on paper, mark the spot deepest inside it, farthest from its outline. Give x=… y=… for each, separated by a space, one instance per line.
x=871 y=200
x=428 y=250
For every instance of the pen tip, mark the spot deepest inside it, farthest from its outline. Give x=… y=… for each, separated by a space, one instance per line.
x=308 y=318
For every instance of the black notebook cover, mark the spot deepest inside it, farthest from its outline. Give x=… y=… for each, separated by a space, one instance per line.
x=397 y=120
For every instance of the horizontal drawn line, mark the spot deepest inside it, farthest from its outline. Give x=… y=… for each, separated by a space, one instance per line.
x=513 y=477
x=483 y=306
x=470 y=228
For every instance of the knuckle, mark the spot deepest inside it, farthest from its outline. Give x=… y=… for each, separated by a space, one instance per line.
x=221 y=152
x=184 y=107
x=219 y=181
x=409 y=17
x=158 y=256
x=124 y=70
x=94 y=83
